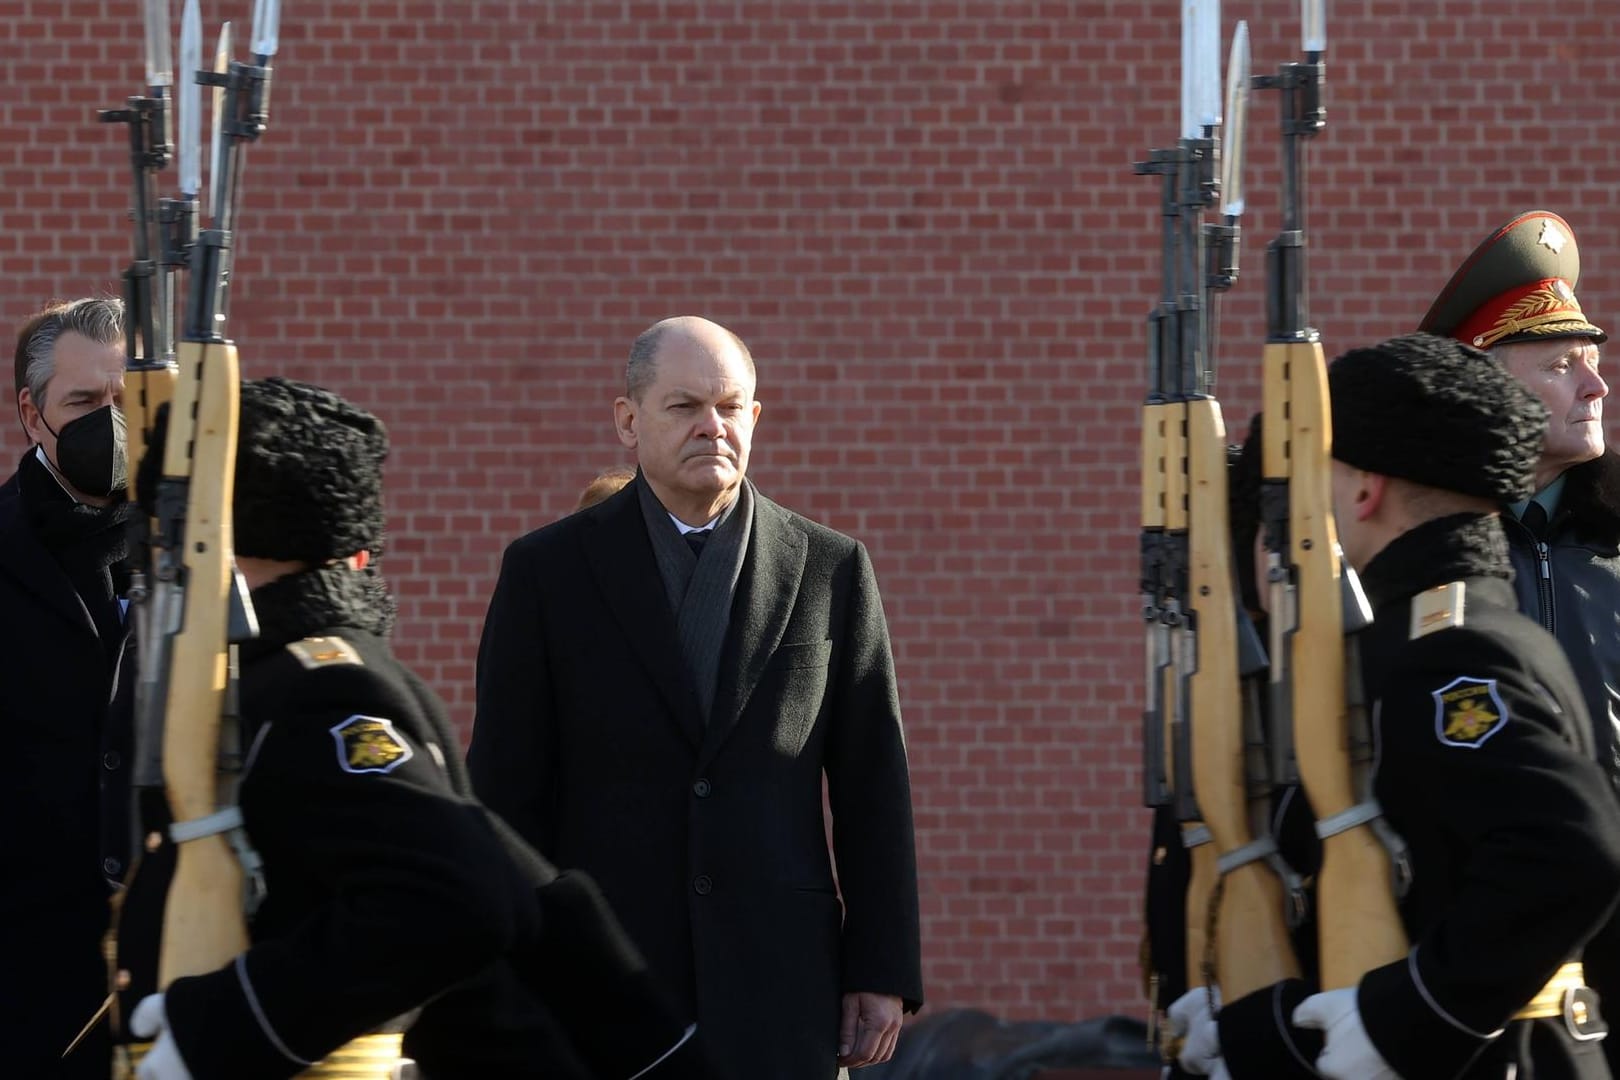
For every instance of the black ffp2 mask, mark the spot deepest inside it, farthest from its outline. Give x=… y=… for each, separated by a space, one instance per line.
x=92 y=452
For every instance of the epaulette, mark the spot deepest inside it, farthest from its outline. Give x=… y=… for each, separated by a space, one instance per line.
x=1439 y=608
x=315 y=652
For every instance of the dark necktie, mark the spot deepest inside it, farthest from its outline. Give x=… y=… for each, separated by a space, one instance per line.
x=696 y=539
x=1535 y=519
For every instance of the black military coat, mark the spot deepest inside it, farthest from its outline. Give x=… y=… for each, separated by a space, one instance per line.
x=1484 y=766
x=66 y=681
x=388 y=887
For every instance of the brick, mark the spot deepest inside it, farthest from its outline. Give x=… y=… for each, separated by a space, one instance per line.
x=923 y=218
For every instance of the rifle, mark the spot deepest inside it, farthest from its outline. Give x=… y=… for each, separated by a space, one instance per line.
x=148 y=303
x=1315 y=603
x=1250 y=925
x=190 y=604
x=1187 y=178
x=1200 y=645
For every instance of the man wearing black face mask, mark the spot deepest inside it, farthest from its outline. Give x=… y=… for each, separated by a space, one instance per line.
x=67 y=671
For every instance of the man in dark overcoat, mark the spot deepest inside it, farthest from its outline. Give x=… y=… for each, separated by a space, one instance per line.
x=1514 y=296
x=663 y=681
x=66 y=683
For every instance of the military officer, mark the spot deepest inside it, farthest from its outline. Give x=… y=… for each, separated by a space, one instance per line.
x=1514 y=297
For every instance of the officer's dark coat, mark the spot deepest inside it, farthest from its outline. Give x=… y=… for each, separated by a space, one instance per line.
x=64 y=716
x=709 y=839
x=1570 y=583
x=1514 y=838
x=388 y=885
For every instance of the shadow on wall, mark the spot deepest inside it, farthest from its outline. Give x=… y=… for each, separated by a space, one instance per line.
x=966 y=1044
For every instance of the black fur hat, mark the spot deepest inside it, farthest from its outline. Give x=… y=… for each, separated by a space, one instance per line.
x=1436 y=412
x=308 y=473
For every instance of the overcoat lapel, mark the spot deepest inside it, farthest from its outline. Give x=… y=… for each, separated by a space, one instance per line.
x=621 y=558
x=766 y=593
x=25 y=560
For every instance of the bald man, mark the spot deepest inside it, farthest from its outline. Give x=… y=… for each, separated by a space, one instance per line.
x=664 y=678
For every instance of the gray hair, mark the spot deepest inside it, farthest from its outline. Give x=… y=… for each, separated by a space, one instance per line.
x=99 y=318
x=641 y=370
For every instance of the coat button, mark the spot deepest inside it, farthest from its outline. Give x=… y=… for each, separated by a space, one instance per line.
x=701 y=789
x=112 y=866
x=702 y=885
x=111 y=760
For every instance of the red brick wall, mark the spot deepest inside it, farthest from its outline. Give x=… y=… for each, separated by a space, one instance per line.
x=922 y=217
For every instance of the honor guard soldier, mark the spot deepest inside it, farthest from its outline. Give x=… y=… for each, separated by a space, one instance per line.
x=388 y=888
x=1484 y=762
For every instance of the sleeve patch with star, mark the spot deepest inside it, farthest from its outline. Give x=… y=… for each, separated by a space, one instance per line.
x=369 y=744
x=1467 y=712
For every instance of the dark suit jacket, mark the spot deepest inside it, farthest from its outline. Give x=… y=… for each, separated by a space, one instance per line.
x=64 y=727
x=709 y=839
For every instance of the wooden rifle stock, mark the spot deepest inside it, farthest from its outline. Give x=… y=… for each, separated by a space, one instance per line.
x=1179 y=687
x=203 y=923
x=145 y=391
x=1252 y=947
x=1359 y=927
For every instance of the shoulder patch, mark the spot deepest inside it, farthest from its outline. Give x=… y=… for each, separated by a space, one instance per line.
x=1467 y=711
x=314 y=652
x=1437 y=609
x=369 y=744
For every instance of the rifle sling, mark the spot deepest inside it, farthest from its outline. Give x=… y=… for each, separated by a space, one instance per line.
x=197 y=828
x=1255 y=850
x=228 y=820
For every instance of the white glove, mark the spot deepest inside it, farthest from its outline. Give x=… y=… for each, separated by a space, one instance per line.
x=163 y=1061
x=1190 y=1017
x=1347 y=1052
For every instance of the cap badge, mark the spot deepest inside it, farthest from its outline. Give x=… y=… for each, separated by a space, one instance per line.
x=1552 y=237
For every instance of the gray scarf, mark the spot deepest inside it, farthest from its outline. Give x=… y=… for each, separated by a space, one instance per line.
x=700 y=590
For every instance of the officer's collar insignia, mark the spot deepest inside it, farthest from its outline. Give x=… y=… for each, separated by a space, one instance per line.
x=369 y=744
x=1467 y=712
x=314 y=652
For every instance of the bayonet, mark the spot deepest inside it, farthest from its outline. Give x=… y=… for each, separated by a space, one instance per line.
x=158 y=320
x=266 y=27
x=1207 y=50
x=1234 y=120
x=217 y=145
x=1313 y=29
x=1222 y=242
x=159 y=60
x=189 y=100
x=1189 y=69
x=178 y=217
